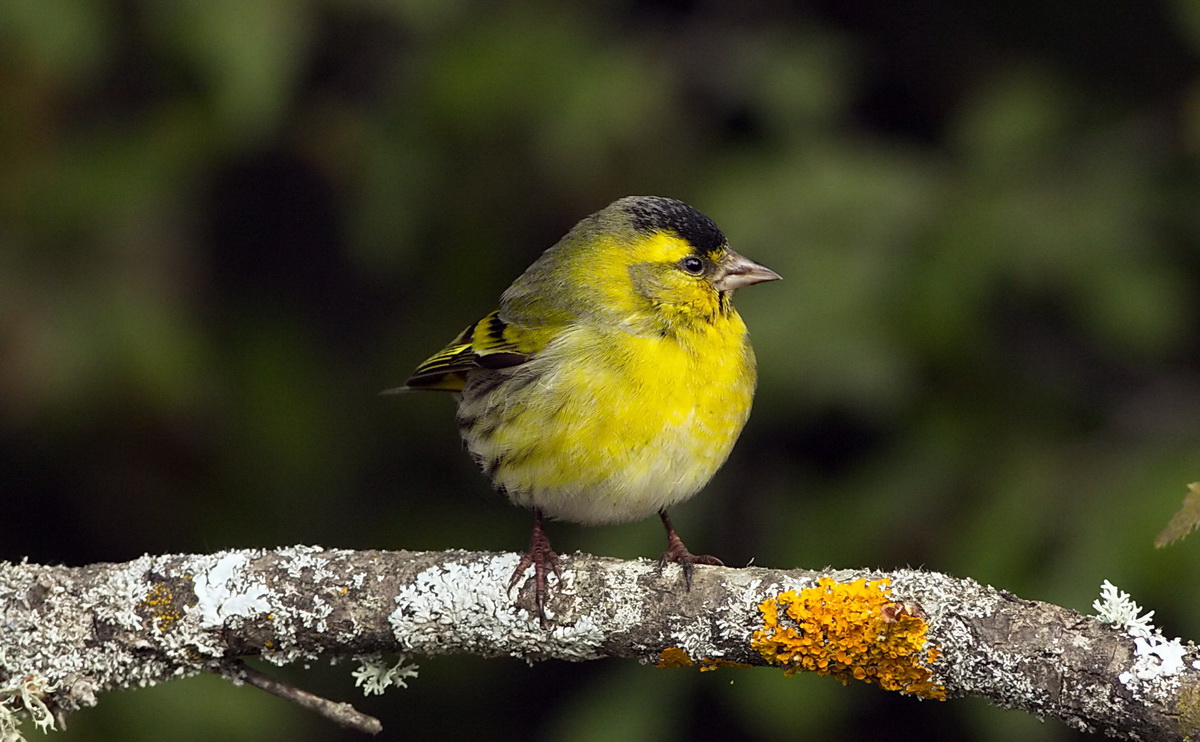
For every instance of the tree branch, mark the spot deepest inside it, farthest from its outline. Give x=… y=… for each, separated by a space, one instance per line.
x=71 y=633
x=342 y=714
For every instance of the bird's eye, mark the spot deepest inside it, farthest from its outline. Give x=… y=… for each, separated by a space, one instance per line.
x=692 y=265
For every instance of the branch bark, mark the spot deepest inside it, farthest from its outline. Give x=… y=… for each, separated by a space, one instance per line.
x=67 y=634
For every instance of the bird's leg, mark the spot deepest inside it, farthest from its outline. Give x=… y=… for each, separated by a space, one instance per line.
x=677 y=552
x=539 y=555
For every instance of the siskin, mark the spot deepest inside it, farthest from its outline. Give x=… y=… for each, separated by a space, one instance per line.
x=614 y=378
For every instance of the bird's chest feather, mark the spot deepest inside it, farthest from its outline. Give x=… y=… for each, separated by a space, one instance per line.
x=628 y=425
x=666 y=391
x=631 y=404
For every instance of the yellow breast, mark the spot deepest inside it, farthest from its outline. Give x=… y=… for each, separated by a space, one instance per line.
x=605 y=426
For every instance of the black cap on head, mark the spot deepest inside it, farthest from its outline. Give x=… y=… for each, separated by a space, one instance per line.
x=654 y=213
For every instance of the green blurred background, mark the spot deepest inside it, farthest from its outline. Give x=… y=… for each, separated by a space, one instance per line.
x=225 y=225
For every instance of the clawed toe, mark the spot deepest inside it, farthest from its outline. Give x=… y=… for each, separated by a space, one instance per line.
x=543 y=560
x=678 y=553
x=687 y=561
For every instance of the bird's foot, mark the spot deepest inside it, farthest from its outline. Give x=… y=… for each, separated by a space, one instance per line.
x=543 y=560
x=678 y=553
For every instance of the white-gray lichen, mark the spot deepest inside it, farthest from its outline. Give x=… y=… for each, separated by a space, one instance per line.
x=23 y=696
x=472 y=599
x=1157 y=659
x=227 y=589
x=375 y=676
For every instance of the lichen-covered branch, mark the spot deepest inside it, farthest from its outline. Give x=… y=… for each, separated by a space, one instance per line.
x=67 y=634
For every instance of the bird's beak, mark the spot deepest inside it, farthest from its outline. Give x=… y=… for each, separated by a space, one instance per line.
x=735 y=271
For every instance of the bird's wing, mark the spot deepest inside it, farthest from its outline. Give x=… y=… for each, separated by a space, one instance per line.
x=489 y=343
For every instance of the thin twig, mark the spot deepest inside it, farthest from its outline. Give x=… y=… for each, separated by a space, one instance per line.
x=342 y=714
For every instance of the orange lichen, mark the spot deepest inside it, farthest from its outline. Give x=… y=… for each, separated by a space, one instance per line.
x=708 y=664
x=673 y=657
x=162 y=602
x=850 y=631
x=676 y=657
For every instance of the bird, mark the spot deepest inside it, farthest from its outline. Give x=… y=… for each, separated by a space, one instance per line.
x=614 y=378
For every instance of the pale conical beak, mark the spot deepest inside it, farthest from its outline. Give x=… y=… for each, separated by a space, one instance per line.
x=735 y=271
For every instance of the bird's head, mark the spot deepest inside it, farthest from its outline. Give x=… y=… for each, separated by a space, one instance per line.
x=645 y=262
x=680 y=262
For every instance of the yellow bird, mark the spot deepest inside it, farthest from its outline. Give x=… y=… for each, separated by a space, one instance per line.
x=614 y=378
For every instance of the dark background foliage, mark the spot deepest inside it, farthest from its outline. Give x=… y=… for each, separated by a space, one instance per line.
x=225 y=225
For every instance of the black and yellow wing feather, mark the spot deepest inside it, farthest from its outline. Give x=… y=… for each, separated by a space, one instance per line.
x=489 y=343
